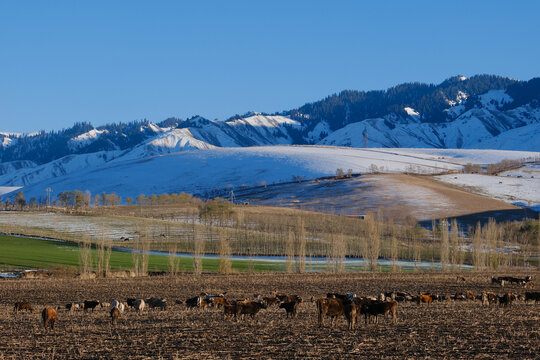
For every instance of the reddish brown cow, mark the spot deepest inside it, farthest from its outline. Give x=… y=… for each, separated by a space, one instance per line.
x=507 y=299
x=424 y=299
x=329 y=307
x=219 y=301
x=23 y=305
x=49 y=317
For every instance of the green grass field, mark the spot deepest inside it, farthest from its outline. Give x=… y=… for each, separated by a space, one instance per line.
x=19 y=253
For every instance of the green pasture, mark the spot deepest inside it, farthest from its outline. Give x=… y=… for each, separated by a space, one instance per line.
x=18 y=253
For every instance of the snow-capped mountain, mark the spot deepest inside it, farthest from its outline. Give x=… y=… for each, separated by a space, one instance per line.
x=481 y=112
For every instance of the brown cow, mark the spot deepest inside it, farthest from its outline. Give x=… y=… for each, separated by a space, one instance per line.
x=115 y=314
x=23 y=305
x=271 y=300
x=332 y=307
x=350 y=312
x=219 y=301
x=424 y=298
x=379 y=308
x=469 y=295
x=49 y=317
x=507 y=299
x=250 y=308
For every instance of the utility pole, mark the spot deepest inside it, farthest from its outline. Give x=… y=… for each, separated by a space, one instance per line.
x=232 y=198
x=49 y=191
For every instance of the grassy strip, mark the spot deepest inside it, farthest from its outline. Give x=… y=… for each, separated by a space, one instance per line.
x=27 y=253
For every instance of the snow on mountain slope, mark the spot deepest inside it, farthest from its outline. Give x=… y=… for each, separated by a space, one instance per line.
x=64 y=166
x=265 y=129
x=475 y=128
x=13 y=166
x=85 y=139
x=171 y=141
x=203 y=170
x=494 y=99
x=521 y=138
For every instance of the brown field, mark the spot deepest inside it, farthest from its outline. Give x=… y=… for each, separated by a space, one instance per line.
x=441 y=330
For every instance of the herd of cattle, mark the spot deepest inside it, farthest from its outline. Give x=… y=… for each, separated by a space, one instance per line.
x=334 y=305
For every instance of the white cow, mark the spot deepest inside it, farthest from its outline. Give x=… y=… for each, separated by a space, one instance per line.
x=119 y=305
x=139 y=305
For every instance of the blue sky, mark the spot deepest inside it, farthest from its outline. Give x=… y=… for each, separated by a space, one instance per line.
x=111 y=61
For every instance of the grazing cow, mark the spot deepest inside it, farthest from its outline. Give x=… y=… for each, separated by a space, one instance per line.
x=194 y=302
x=350 y=312
x=157 y=303
x=271 y=300
x=532 y=296
x=23 y=305
x=484 y=299
x=469 y=295
x=130 y=302
x=421 y=298
x=379 y=308
x=115 y=314
x=497 y=281
x=290 y=307
x=230 y=310
x=117 y=304
x=49 y=317
x=507 y=299
x=250 y=308
x=219 y=301
x=332 y=307
x=72 y=306
x=460 y=279
x=90 y=304
x=288 y=298
x=139 y=306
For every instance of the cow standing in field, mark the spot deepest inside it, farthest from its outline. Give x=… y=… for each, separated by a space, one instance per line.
x=139 y=306
x=250 y=308
x=90 y=304
x=421 y=298
x=291 y=308
x=507 y=299
x=23 y=306
x=332 y=307
x=115 y=314
x=157 y=303
x=350 y=312
x=379 y=308
x=532 y=296
x=48 y=316
x=117 y=304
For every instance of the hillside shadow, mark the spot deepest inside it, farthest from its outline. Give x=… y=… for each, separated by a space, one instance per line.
x=464 y=221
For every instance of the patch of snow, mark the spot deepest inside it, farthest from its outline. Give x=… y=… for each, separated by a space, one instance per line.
x=8 y=189
x=318 y=131
x=509 y=189
x=411 y=111
x=494 y=99
x=85 y=139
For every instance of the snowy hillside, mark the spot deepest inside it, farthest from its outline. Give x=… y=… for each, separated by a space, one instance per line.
x=202 y=171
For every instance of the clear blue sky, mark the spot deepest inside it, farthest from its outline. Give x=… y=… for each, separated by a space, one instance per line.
x=111 y=61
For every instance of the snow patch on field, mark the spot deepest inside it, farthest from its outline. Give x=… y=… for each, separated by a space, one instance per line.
x=519 y=191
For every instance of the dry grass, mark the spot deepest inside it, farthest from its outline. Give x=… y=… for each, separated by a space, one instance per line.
x=441 y=330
